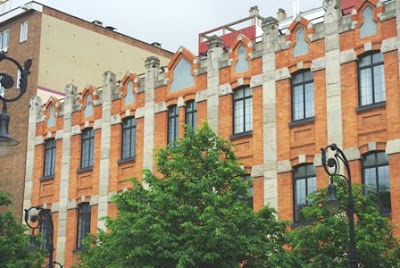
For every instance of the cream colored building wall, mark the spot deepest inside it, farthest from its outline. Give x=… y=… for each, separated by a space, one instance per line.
x=73 y=54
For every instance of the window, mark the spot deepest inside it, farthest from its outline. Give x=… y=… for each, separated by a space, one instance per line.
x=301 y=46
x=4 y=40
x=87 y=148
x=173 y=117
x=242 y=110
x=23 y=34
x=83 y=223
x=191 y=114
x=49 y=158
x=183 y=77
x=51 y=121
x=45 y=227
x=302 y=96
x=89 y=106
x=305 y=183
x=128 y=138
x=242 y=64
x=129 y=97
x=371 y=79
x=376 y=179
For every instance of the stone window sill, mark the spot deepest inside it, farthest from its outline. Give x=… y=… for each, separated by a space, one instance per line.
x=305 y=121
x=248 y=134
x=47 y=178
x=86 y=169
x=371 y=107
x=127 y=160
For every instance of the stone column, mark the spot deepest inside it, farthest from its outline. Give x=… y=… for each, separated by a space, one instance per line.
x=69 y=105
x=107 y=93
x=215 y=51
x=152 y=65
x=270 y=37
x=333 y=76
x=35 y=115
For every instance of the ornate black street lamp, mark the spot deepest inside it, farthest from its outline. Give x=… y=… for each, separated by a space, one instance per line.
x=332 y=168
x=7 y=82
x=35 y=218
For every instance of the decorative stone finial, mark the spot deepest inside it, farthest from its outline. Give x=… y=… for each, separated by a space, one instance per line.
x=253 y=11
x=70 y=89
x=215 y=41
x=270 y=23
x=152 y=62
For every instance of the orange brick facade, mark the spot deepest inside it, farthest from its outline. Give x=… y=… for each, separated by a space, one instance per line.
x=275 y=146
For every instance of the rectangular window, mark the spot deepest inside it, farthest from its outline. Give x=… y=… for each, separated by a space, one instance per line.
x=305 y=183
x=18 y=78
x=128 y=138
x=87 y=148
x=4 y=40
x=242 y=110
x=83 y=223
x=302 y=96
x=376 y=180
x=191 y=114
x=49 y=158
x=371 y=81
x=173 y=117
x=23 y=34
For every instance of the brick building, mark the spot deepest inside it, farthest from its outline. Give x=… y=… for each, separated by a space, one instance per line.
x=309 y=81
x=64 y=49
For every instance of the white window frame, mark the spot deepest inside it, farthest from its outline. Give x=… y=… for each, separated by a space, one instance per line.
x=4 y=42
x=23 y=34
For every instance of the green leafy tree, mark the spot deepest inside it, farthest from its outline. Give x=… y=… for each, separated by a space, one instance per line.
x=194 y=215
x=325 y=242
x=14 y=252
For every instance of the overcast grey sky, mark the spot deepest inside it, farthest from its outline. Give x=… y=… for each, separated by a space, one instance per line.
x=172 y=23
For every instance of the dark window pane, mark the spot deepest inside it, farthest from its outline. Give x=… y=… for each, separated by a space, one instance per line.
x=302 y=96
x=376 y=179
x=87 y=148
x=128 y=138
x=371 y=79
x=242 y=110
x=172 y=125
x=305 y=183
x=49 y=158
x=83 y=229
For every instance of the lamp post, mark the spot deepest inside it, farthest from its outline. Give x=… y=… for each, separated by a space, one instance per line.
x=332 y=168
x=7 y=82
x=34 y=218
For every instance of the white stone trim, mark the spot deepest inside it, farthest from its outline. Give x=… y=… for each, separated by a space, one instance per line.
x=318 y=64
x=257 y=171
x=224 y=90
x=389 y=44
x=282 y=74
x=393 y=147
x=283 y=166
x=116 y=119
x=348 y=56
x=160 y=107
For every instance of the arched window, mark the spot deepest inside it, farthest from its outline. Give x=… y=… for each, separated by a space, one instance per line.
x=302 y=95
x=89 y=106
x=242 y=110
x=371 y=80
x=369 y=27
x=304 y=183
x=301 y=46
x=51 y=121
x=242 y=64
x=375 y=167
x=129 y=97
x=183 y=77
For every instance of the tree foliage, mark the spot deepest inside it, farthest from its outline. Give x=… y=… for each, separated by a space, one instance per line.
x=325 y=242
x=193 y=215
x=14 y=241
